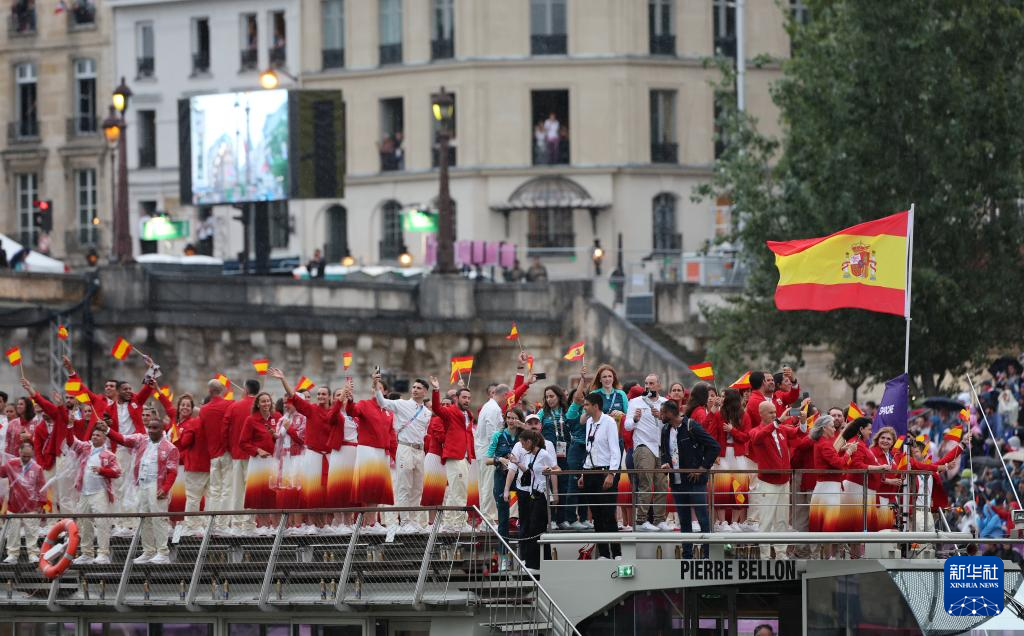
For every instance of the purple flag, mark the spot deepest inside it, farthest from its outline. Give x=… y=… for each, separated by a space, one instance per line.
x=892 y=410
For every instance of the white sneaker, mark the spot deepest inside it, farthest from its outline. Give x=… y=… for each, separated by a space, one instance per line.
x=576 y=525
x=159 y=559
x=665 y=527
x=721 y=526
x=588 y=524
x=647 y=526
x=695 y=526
x=602 y=558
x=735 y=527
x=33 y=558
x=749 y=526
x=552 y=527
x=11 y=560
x=83 y=560
x=564 y=525
x=144 y=558
x=102 y=560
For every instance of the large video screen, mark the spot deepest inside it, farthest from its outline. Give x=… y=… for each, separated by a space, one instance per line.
x=239 y=147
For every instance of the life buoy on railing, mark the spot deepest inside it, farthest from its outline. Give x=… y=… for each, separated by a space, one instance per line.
x=52 y=571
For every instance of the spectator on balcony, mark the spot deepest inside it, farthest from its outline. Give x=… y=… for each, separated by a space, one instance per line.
x=552 y=137
x=391 y=152
x=316 y=265
x=516 y=274
x=23 y=15
x=537 y=272
x=83 y=11
x=540 y=149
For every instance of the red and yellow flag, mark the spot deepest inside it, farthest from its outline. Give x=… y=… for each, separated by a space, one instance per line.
x=175 y=432
x=743 y=383
x=121 y=349
x=62 y=332
x=223 y=379
x=529 y=364
x=954 y=433
x=575 y=352
x=73 y=387
x=346 y=360
x=853 y=412
x=230 y=397
x=13 y=356
x=861 y=267
x=167 y=392
x=965 y=416
x=514 y=334
x=261 y=365
x=304 y=384
x=460 y=365
x=703 y=371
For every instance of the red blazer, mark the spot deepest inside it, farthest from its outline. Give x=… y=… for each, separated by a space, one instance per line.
x=134 y=412
x=714 y=424
x=826 y=458
x=861 y=459
x=211 y=418
x=875 y=480
x=256 y=434
x=375 y=423
x=319 y=423
x=449 y=430
x=801 y=457
x=234 y=420
x=939 y=497
x=44 y=444
x=767 y=456
x=784 y=399
x=430 y=444
x=14 y=430
x=193 y=447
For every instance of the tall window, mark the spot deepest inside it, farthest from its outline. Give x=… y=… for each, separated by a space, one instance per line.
x=147 y=138
x=666 y=239
x=200 y=45
x=547 y=27
x=249 y=36
x=664 y=148
x=391 y=231
x=660 y=18
x=144 y=49
x=725 y=27
x=337 y=234
x=392 y=135
x=85 y=96
x=26 y=100
x=82 y=14
x=85 y=206
x=442 y=42
x=278 y=50
x=390 y=31
x=27 y=192
x=550 y=133
x=23 y=19
x=550 y=227
x=334 y=33
x=280 y=224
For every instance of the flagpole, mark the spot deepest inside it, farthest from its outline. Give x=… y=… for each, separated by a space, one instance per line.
x=910 y=270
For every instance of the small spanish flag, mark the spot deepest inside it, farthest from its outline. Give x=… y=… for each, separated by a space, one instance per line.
x=121 y=349
x=529 y=364
x=460 y=365
x=514 y=334
x=167 y=392
x=13 y=356
x=965 y=416
x=898 y=445
x=853 y=412
x=346 y=360
x=954 y=433
x=82 y=397
x=73 y=387
x=304 y=384
x=223 y=379
x=703 y=371
x=902 y=465
x=175 y=432
x=743 y=383
x=575 y=352
x=261 y=365
x=62 y=332
x=811 y=419
x=230 y=397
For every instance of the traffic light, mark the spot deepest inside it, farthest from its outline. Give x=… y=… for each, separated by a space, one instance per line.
x=42 y=215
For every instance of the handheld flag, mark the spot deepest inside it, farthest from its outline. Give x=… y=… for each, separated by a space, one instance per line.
x=853 y=412
x=230 y=397
x=703 y=371
x=175 y=432
x=965 y=416
x=346 y=360
x=261 y=365
x=62 y=332
x=167 y=392
x=13 y=356
x=743 y=383
x=73 y=387
x=860 y=267
x=575 y=352
x=954 y=433
x=460 y=364
x=121 y=349
x=514 y=334
x=60 y=8
x=304 y=384
x=898 y=445
x=529 y=364
x=892 y=408
x=223 y=379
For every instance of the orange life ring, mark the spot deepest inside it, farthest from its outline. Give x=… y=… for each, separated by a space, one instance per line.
x=56 y=569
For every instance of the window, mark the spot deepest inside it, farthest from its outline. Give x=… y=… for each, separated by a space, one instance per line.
x=144 y=49
x=723 y=217
x=147 y=138
x=334 y=33
x=660 y=16
x=664 y=148
x=85 y=205
x=390 y=31
x=278 y=50
x=82 y=14
x=249 y=34
x=391 y=241
x=392 y=135
x=547 y=27
x=280 y=224
x=721 y=139
x=85 y=97
x=666 y=239
x=725 y=28
x=550 y=135
x=550 y=228
x=801 y=16
x=23 y=18
x=337 y=234
x=200 y=45
x=27 y=125
x=150 y=629
x=27 y=192
x=435 y=154
x=442 y=43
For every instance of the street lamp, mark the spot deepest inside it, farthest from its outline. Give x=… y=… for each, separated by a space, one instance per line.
x=270 y=78
x=597 y=256
x=443 y=108
x=122 y=233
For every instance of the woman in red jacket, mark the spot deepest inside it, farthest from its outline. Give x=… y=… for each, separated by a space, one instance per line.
x=434 y=478
x=188 y=435
x=257 y=442
x=373 y=473
x=725 y=424
x=288 y=447
x=887 y=485
x=856 y=489
x=828 y=488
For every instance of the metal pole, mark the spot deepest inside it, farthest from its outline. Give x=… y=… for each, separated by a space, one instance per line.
x=421 y=580
x=446 y=229
x=268 y=577
x=193 y=585
x=123 y=238
x=741 y=54
x=906 y=304
x=346 y=568
x=126 y=573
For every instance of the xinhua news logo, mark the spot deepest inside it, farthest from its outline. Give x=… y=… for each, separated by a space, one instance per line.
x=973 y=586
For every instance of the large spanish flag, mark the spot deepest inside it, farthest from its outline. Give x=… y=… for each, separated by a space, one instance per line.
x=861 y=267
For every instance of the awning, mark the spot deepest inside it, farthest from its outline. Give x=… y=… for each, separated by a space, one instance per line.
x=550 y=192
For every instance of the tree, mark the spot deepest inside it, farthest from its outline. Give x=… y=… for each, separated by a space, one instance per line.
x=882 y=105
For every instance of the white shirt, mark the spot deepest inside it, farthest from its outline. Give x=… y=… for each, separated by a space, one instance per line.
x=124 y=418
x=775 y=438
x=646 y=432
x=551 y=128
x=148 y=465
x=92 y=483
x=602 y=442
x=491 y=421
x=411 y=418
x=673 y=453
x=523 y=460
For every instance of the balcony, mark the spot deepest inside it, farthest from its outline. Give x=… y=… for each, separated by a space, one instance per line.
x=664 y=44
x=389 y=250
x=21 y=23
x=249 y=59
x=725 y=46
x=147 y=157
x=81 y=16
x=83 y=126
x=146 y=66
x=435 y=156
x=390 y=54
x=200 y=62
x=391 y=161
x=668 y=244
x=664 y=152
x=551 y=241
x=442 y=49
x=333 y=58
x=551 y=44
x=278 y=56
x=552 y=154
x=713 y=270
x=24 y=131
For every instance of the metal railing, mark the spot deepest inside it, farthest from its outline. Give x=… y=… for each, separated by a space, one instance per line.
x=146 y=66
x=278 y=55
x=83 y=125
x=390 y=54
x=23 y=131
x=201 y=62
x=549 y=44
x=332 y=58
x=249 y=59
x=21 y=23
x=664 y=152
x=442 y=49
x=663 y=44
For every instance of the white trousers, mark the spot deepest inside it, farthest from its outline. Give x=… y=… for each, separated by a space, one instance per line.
x=409 y=482
x=154 y=530
x=237 y=496
x=772 y=504
x=96 y=503
x=485 y=485
x=196 y=486
x=457 y=471
x=14 y=529
x=219 y=495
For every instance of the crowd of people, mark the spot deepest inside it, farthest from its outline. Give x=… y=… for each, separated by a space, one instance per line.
x=594 y=456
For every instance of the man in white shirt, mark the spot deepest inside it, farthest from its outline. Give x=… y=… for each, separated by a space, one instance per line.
x=643 y=417
x=603 y=453
x=410 y=423
x=490 y=421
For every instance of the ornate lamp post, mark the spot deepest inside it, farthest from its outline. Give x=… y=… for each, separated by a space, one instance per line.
x=444 y=111
x=112 y=131
x=122 y=231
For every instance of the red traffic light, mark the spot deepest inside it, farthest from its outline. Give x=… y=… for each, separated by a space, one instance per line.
x=42 y=206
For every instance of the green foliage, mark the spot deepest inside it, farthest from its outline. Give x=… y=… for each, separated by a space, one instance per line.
x=886 y=104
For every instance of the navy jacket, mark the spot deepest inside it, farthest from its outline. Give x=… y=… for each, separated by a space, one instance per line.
x=697 y=449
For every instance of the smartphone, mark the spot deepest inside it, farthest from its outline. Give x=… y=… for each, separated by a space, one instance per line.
x=541 y=375
x=376 y=369
x=794 y=412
